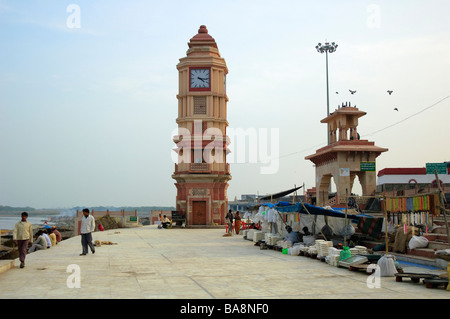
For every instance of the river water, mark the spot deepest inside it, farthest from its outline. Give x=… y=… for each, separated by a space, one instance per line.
x=8 y=222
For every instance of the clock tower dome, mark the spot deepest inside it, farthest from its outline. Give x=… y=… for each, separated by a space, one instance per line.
x=201 y=172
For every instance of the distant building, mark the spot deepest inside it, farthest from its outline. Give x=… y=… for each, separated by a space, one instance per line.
x=250 y=197
x=411 y=180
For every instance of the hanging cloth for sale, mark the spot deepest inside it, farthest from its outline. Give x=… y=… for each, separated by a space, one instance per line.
x=409 y=204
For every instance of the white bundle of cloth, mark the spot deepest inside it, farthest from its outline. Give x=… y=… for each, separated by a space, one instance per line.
x=386 y=266
x=247 y=215
x=442 y=252
x=267 y=214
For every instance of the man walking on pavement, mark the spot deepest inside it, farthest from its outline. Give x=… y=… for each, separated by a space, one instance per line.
x=23 y=236
x=87 y=227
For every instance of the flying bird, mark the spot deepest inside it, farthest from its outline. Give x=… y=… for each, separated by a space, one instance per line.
x=352 y=92
x=396 y=109
x=390 y=92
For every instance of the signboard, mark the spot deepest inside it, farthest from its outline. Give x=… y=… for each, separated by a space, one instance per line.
x=367 y=166
x=441 y=168
x=133 y=219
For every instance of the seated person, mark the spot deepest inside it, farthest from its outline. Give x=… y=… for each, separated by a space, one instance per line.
x=306 y=231
x=166 y=222
x=39 y=243
x=57 y=234
x=291 y=235
x=49 y=242
x=254 y=226
x=52 y=236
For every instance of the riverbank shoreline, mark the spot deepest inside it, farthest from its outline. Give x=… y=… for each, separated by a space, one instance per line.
x=64 y=224
x=8 y=249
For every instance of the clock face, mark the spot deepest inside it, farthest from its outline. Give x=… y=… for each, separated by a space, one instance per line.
x=200 y=79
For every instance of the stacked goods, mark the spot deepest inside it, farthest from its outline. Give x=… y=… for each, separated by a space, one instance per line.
x=362 y=250
x=317 y=242
x=258 y=235
x=250 y=233
x=312 y=250
x=358 y=250
x=272 y=239
x=303 y=250
x=318 y=245
x=322 y=247
x=333 y=256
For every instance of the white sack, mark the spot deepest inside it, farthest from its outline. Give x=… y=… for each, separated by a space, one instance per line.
x=386 y=267
x=418 y=242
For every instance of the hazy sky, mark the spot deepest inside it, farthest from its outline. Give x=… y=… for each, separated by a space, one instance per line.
x=88 y=90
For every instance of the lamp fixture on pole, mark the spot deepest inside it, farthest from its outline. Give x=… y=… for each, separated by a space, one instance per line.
x=325 y=48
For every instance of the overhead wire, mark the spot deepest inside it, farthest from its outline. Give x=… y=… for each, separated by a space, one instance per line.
x=377 y=131
x=412 y=115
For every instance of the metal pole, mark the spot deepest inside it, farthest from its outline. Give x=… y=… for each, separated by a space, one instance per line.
x=328 y=99
x=442 y=204
x=346 y=208
x=327 y=47
x=386 y=235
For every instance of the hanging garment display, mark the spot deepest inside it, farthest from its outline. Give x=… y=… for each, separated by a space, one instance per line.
x=408 y=204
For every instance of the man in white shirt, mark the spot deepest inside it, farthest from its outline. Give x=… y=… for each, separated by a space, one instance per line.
x=87 y=227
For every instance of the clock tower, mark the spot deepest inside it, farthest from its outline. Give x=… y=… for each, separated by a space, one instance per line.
x=201 y=172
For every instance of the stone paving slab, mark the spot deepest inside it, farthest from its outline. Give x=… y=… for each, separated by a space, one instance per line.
x=151 y=263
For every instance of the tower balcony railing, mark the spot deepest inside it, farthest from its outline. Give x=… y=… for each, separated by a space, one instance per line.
x=199 y=167
x=202 y=168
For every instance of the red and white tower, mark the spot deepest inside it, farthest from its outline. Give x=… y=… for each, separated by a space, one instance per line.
x=201 y=172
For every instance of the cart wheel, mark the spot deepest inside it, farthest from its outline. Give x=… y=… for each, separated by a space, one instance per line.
x=398 y=279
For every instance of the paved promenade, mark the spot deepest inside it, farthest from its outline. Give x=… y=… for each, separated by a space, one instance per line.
x=147 y=262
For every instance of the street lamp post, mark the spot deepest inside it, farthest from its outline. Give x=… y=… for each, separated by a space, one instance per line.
x=321 y=48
